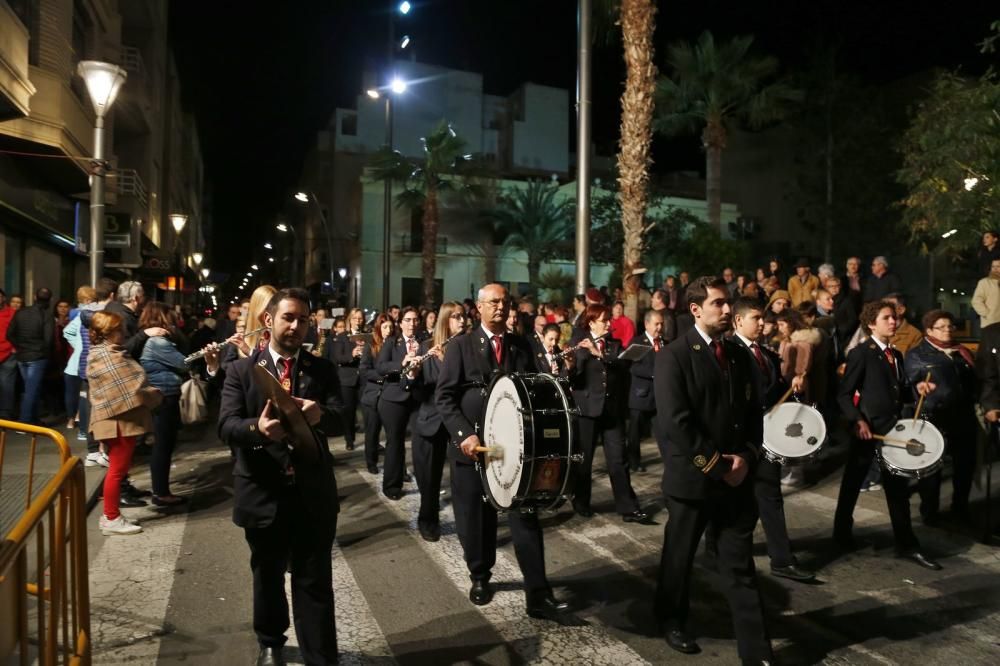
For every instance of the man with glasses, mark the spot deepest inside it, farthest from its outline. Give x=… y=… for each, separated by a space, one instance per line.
x=469 y=365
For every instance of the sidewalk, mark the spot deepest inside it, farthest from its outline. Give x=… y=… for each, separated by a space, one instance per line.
x=14 y=475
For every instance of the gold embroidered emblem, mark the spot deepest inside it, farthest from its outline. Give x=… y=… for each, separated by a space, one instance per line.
x=699 y=461
x=696 y=347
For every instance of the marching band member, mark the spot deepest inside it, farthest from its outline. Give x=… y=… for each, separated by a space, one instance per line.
x=469 y=365
x=550 y=358
x=397 y=403
x=641 y=404
x=875 y=373
x=371 y=391
x=345 y=351
x=598 y=382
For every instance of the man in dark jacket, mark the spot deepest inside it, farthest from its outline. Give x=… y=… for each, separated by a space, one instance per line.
x=641 y=405
x=710 y=430
x=31 y=332
x=882 y=281
x=128 y=305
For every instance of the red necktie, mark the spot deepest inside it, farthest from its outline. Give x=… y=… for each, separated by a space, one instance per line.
x=760 y=357
x=889 y=356
x=656 y=344
x=720 y=353
x=497 y=341
x=411 y=346
x=285 y=367
x=600 y=344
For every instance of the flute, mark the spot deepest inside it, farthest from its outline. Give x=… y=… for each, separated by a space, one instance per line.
x=418 y=361
x=191 y=358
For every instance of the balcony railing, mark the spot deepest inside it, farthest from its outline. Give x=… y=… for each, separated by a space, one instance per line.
x=130 y=184
x=411 y=243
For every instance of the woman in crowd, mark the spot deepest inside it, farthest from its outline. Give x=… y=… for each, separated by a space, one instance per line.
x=428 y=320
x=430 y=437
x=560 y=316
x=397 y=404
x=120 y=411
x=599 y=390
x=778 y=301
x=345 y=352
x=371 y=390
x=163 y=360
x=73 y=333
x=247 y=337
x=622 y=328
x=951 y=407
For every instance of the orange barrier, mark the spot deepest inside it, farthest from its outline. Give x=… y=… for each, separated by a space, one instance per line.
x=44 y=590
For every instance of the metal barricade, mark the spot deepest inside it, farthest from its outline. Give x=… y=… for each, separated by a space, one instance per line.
x=44 y=590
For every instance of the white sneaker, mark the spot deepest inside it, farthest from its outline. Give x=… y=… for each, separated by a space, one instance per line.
x=118 y=526
x=97 y=458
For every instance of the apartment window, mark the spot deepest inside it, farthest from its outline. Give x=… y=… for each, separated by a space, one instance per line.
x=27 y=12
x=349 y=125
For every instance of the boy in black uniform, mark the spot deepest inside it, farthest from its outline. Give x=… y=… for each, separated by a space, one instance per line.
x=876 y=379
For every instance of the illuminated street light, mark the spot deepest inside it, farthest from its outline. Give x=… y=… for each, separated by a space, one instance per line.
x=178 y=220
x=971 y=183
x=405 y=7
x=302 y=196
x=405 y=42
x=343 y=273
x=267 y=246
x=282 y=227
x=205 y=272
x=398 y=85
x=271 y=259
x=949 y=233
x=371 y=92
x=249 y=275
x=197 y=257
x=253 y=267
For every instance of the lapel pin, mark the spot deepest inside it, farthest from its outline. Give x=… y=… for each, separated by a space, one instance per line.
x=696 y=347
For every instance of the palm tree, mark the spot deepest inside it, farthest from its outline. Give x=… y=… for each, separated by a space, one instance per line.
x=423 y=182
x=532 y=219
x=709 y=86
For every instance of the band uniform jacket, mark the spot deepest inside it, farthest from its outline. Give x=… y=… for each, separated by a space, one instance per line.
x=388 y=364
x=422 y=386
x=988 y=367
x=260 y=464
x=640 y=395
x=705 y=413
x=542 y=362
x=339 y=350
x=469 y=366
x=770 y=386
x=883 y=389
x=371 y=381
x=598 y=383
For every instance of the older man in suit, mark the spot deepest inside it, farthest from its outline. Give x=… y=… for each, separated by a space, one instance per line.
x=470 y=364
x=285 y=499
x=641 y=405
x=710 y=432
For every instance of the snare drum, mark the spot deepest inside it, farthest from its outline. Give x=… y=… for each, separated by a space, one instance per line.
x=529 y=418
x=900 y=462
x=793 y=433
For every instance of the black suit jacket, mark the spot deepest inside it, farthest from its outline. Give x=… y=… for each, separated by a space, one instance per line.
x=883 y=390
x=339 y=350
x=468 y=368
x=542 y=363
x=388 y=364
x=770 y=385
x=260 y=464
x=640 y=395
x=599 y=384
x=428 y=420
x=704 y=413
x=988 y=367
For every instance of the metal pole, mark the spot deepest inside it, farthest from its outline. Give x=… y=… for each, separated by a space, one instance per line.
x=387 y=209
x=583 y=148
x=97 y=206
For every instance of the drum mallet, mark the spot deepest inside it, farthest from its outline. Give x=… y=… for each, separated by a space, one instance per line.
x=920 y=403
x=490 y=451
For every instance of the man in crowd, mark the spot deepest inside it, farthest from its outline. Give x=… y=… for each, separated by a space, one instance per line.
x=989 y=252
x=729 y=277
x=128 y=305
x=659 y=302
x=986 y=298
x=226 y=327
x=844 y=312
x=8 y=361
x=802 y=285
x=32 y=334
x=882 y=281
x=907 y=335
x=641 y=406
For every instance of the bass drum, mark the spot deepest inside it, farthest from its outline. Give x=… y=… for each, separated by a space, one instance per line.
x=900 y=461
x=793 y=433
x=528 y=422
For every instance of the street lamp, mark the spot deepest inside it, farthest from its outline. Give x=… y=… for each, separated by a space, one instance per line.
x=310 y=197
x=103 y=81
x=178 y=220
x=205 y=272
x=396 y=86
x=196 y=257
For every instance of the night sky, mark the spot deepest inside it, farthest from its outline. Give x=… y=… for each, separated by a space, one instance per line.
x=263 y=77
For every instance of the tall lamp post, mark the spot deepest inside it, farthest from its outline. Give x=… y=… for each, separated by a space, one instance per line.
x=196 y=259
x=310 y=197
x=178 y=220
x=103 y=81
x=287 y=228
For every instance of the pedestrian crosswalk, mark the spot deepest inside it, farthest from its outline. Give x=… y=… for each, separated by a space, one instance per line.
x=180 y=590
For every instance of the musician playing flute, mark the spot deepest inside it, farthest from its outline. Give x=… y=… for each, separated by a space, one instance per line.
x=430 y=437
x=871 y=396
x=469 y=365
x=550 y=359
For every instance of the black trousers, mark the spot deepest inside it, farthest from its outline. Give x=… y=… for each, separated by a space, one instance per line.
x=166 y=424
x=771 y=506
x=730 y=520
x=897 y=496
x=638 y=419
x=349 y=415
x=614 y=454
x=373 y=427
x=476 y=524
x=960 y=437
x=395 y=417
x=294 y=542
x=429 y=454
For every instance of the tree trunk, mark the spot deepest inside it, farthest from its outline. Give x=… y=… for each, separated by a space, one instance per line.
x=714 y=140
x=534 y=270
x=637 y=22
x=428 y=250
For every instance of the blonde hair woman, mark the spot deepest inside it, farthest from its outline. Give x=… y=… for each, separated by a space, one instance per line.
x=245 y=344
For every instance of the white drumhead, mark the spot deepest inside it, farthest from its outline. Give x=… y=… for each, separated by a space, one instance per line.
x=793 y=430
x=925 y=433
x=504 y=429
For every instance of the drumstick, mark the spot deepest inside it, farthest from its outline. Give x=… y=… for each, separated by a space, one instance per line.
x=920 y=403
x=913 y=447
x=782 y=401
x=490 y=451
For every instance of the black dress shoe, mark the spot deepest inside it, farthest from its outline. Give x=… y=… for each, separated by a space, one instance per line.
x=429 y=531
x=793 y=572
x=131 y=501
x=637 y=516
x=270 y=656
x=129 y=489
x=481 y=592
x=373 y=469
x=350 y=446
x=544 y=606
x=923 y=561
x=583 y=511
x=680 y=640
x=394 y=494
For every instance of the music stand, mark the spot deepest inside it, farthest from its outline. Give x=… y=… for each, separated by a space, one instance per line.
x=634 y=352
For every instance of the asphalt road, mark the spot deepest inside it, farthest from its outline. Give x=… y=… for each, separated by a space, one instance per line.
x=179 y=593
